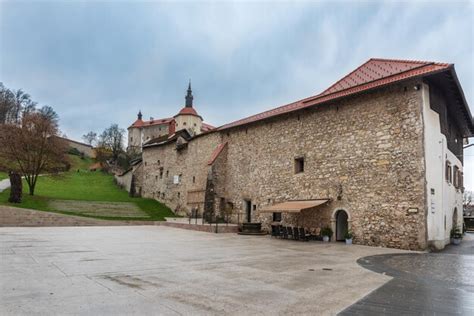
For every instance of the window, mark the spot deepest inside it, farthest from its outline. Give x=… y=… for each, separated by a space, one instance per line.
x=131 y=138
x=179 y=195
x=161 y=173
x=456 y=177
x=448 y=172
x=277 y=217
x=184 y=123
x=195 y=125
x=159 y=162
x=194 y=179
x=156 y=177
x=163 y=195
x=299 y=165
x=167 y=173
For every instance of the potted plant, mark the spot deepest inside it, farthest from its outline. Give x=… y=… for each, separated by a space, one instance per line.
x=326 y=232
x=456 y=235
x=348 y=236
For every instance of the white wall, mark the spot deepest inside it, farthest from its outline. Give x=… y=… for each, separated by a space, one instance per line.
x=446 y=197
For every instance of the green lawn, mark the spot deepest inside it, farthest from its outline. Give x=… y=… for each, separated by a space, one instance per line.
x=80 y=184
x=3 y=175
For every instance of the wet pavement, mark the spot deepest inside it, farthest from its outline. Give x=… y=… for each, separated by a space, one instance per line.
x=423 y=284
x=156 y=270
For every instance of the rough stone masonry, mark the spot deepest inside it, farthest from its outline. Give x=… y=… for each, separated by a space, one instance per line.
x=364 y=152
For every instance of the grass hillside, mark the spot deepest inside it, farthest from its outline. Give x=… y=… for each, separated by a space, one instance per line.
x=87 y=193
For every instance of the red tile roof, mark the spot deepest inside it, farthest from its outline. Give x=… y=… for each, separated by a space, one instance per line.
x=216 y=153
x=140 y=123
x=206 y=127
x=374 y=73
x=188 y=111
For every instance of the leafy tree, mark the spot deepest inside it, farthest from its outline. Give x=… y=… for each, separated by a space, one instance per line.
x=30 y=147
x=90 y=138
x=112 y=139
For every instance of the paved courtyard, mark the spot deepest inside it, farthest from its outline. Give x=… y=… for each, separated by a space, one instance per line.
x=160 y=270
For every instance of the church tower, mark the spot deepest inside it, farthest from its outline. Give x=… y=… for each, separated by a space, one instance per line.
x=188 y=118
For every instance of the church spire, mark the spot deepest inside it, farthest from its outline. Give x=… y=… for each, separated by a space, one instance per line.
x=189 y=96
x=140 y=114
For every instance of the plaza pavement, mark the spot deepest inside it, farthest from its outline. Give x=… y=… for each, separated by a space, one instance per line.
x=150 y=270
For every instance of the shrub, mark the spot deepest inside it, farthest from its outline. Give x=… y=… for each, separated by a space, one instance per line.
x=326 y=231
x=74 y=151
x=348 y=235
x=456 y=233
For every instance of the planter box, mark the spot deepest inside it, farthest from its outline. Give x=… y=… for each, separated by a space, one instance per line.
x=325 y=238
x=349 y=241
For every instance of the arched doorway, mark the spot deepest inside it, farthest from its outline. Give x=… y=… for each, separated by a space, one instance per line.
x=455 y=218
x=341 y=225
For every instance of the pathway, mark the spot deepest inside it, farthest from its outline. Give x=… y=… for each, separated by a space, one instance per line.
x=4 y=184
x=423 y=284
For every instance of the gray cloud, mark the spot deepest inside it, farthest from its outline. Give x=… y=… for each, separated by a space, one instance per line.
x=99 y=62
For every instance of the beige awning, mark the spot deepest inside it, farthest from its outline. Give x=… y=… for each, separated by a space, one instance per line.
x=293 y=206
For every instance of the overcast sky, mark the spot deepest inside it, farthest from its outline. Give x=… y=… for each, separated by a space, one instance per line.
x=98 y=63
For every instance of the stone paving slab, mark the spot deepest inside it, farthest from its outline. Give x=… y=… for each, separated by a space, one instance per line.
x=149 y=270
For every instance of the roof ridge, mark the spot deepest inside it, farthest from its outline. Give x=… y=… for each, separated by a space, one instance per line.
x=367 y=82
x=410 y=61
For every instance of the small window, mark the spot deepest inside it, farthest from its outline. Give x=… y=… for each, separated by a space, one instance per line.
x=156 y=177
x=449 y=173
x=179 y=195
x=163 y=195
x=195 y=124
x=184 y=123
x=167 y=173
x=131 y=139
x=277 y=217
x=145 y=163
x=299 y=165
x=161 y=173
x=159 y=162
x=456 y=177
x=194 y=179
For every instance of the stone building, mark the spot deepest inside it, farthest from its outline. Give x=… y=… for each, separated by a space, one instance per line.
x=380 y=152
x=142 y=131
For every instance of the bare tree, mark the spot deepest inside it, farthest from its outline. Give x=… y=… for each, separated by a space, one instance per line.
x=14 y=104
x=90 y=138
x=112 y=139
x=30 y=147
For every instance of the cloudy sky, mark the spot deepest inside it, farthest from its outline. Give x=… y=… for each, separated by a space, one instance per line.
x=98 y=63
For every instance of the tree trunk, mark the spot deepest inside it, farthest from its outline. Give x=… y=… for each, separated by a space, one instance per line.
x=16 y=188
x=32 y=188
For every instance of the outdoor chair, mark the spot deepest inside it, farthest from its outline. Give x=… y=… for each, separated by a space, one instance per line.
x=278 y=231
x=304 y=235
x=296 y=233
x=274 y=231
x=289 y=231
x=283 y=233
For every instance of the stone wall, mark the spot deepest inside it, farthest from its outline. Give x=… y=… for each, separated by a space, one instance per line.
x=365 y=153
x=124 y=180
x=190 y=165
x=370 y=147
